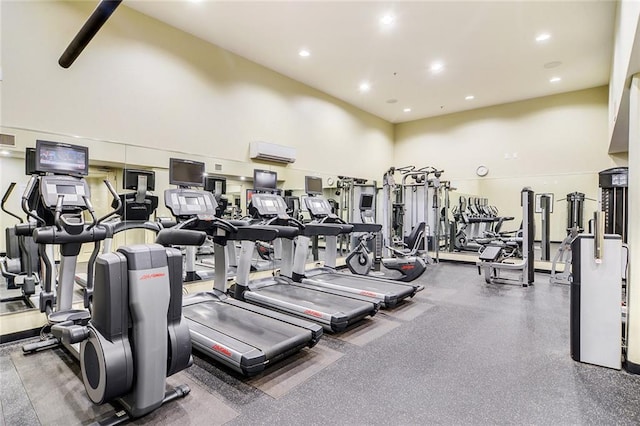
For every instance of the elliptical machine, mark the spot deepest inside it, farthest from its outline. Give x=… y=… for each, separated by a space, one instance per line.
x=135 y=336
x=21 y=262
x=361 y=262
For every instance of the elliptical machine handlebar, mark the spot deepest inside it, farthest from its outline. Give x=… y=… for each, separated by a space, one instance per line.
x=116 y=200
x=25 y=200
x=5 y=197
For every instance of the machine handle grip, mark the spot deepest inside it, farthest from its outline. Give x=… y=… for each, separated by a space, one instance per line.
x=295 y=222
x=226 y=225
x=25 y=199
x=4 y=200
x=8 y=193
x=92 y=212
x=116 y=200
x=58 y=211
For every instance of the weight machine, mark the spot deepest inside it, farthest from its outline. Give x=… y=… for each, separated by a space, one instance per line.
x=498 y=254
x=418 y=198
x=575 y=211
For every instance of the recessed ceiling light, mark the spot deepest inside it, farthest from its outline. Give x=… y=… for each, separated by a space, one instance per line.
x=365 y=86
x=407 y=110
x=387 y=19
x=243 y=178
x=543 y=37
x=3 y=152
x=437 y=67
x=469 y=98
x=554 y=79
x=304 y=53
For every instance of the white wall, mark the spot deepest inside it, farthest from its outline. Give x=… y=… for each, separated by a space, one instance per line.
x=554 y=144
x=144 y=83
x=625 y=63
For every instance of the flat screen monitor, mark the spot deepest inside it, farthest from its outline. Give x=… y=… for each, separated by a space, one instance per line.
x=366 y=201
x=313 y=185
x=217 y=185
x=30 y=161
x=130 y=179
x=186 y=172
x=264 y=180
x=61 y=158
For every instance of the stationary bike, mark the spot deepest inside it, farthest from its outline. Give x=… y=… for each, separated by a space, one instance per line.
x=407 y=263
x=360 y=261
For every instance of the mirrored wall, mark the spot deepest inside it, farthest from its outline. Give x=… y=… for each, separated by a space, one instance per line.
x=109 y=159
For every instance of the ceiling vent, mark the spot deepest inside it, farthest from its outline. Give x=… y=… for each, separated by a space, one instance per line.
x=272 y=152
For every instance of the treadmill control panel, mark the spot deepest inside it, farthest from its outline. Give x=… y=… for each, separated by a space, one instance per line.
x=73 y=189
x=318 y=206
x=269 y=205
x=190 y=202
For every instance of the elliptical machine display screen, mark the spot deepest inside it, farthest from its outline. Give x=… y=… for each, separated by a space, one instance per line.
x=61 y=158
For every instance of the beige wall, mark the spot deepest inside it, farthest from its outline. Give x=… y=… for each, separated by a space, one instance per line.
x=553 y=144
x=156 y=89
x=144 y=83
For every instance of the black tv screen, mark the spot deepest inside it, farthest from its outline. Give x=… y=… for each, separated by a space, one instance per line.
x=217 y=185
x=186 y=172
x=366 y=201
x=62 y=158
x=313 y=185
x=30 y=161
x=264 y=180
x=130 y=179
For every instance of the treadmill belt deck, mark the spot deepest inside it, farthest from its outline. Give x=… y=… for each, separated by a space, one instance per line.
x=388 y=293
x=334 y=312
x=243 y=331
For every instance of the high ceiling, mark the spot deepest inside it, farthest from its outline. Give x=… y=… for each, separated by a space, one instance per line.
x=487 y=50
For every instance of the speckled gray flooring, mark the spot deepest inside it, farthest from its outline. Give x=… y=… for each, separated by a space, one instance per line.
x=460 y=352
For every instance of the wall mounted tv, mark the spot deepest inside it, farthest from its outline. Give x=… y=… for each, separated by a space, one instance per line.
x=186 y=172
x=264 y=180
x=313 y=185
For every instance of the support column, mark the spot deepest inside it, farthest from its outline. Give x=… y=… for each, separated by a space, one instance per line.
x=633 y=238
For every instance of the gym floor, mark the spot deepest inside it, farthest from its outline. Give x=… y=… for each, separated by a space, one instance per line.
x=460 y=352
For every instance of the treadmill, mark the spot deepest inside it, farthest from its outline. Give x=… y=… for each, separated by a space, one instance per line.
x=387 y=292
x=334 y=309
x=244 y=337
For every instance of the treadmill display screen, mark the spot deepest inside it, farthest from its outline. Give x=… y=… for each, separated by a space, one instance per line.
x=61 y=158
x=318 y=206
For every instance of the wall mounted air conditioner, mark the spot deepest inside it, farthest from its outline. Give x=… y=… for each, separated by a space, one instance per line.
x=272 y=152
